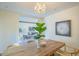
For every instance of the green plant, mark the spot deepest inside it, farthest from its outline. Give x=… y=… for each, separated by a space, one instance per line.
x=40 y=28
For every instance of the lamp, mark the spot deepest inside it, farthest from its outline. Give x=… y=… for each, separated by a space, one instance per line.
x=40 y=8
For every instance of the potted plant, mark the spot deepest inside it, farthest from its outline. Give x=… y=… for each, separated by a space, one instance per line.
x=40 y=28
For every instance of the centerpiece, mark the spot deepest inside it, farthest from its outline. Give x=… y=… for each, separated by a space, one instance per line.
x=40 y=28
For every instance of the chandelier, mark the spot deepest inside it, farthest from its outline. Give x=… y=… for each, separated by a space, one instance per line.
x=40 y=8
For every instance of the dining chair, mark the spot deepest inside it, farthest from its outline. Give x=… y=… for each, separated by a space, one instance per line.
x=12 y=49
x=68 y=51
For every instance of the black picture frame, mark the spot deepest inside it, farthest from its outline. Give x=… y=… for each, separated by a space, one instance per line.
x=63 y=28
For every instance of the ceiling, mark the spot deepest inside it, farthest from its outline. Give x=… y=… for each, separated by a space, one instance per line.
x=27 y=8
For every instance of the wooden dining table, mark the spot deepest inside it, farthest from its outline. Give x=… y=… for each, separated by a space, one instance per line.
x=30 y=49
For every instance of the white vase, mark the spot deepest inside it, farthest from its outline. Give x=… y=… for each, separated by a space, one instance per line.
x=37 y=43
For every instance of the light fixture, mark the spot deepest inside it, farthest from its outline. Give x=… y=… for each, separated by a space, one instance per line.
x=40 y=8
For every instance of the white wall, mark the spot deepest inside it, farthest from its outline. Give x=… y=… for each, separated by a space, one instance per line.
x=8 y=28
x=68 y=14
x=1 y=33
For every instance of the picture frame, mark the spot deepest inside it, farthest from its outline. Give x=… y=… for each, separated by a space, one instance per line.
x=63 y=28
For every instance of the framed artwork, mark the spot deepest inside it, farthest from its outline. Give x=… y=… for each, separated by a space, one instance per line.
x=63 y=28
